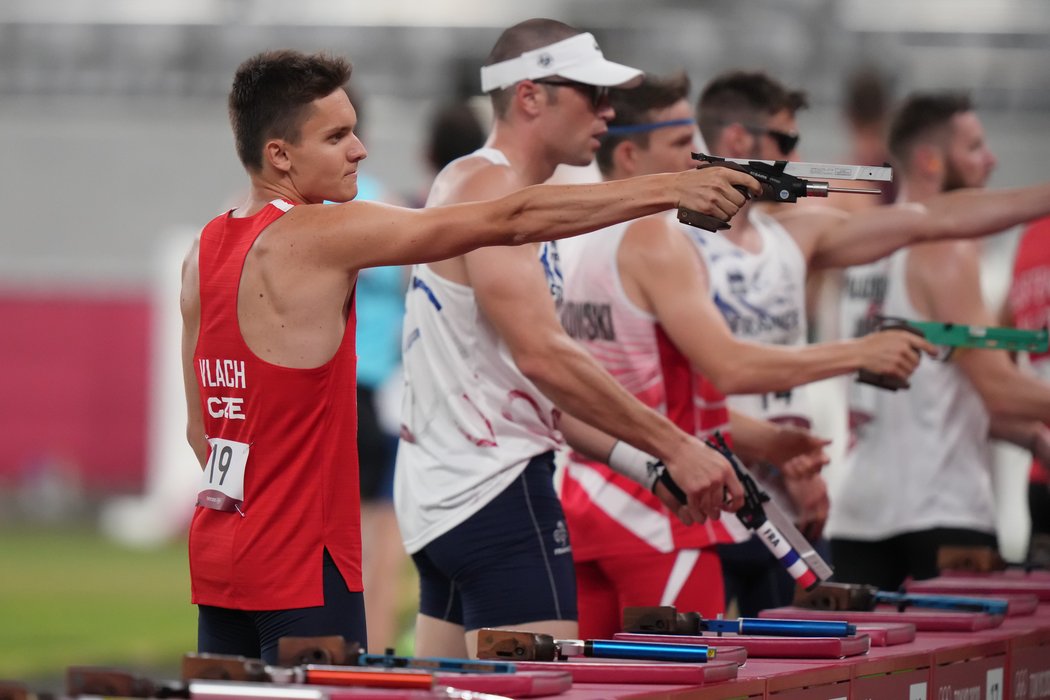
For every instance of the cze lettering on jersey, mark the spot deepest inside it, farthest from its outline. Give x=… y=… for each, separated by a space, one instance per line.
x=226 y=407
x=226 y=374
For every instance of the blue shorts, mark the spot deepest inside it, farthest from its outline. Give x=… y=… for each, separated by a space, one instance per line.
x=509 y=563
x=255 y=633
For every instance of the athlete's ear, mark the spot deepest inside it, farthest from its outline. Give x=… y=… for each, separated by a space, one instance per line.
x=737 y=141
x=531 y=97
x=928 y=160
x=275 y=152
x=625 y=157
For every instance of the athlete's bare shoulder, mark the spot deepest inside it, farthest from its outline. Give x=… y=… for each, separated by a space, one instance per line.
x=189 y=296
x=472 y=179
x=806 y=215
x=648 y=234
x=655 y=243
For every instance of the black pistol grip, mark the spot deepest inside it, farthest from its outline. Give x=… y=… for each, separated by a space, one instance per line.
x=883 y=381
x=704 y=221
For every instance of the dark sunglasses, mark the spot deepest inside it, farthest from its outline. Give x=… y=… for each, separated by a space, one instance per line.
x=597 y=94
x=785 y=142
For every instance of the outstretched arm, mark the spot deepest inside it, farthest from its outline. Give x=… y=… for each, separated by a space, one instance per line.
x=366 y=234
x=660 y=265
x=831 y=239
x=956 y=298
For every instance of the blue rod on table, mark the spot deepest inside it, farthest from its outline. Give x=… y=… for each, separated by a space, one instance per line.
x=647 y=651
x=991 y=606
x=437 y=663
x=780 y=628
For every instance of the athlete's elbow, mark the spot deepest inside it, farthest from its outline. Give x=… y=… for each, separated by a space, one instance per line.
x=998 y=402
x=730 y=378
x=944 y=224
x=536 y=367
x=727 y=383
x=523 y=219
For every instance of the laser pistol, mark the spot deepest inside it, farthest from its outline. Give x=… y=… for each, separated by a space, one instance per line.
x=785 y=181
x=761 y=514
x=515 y=645
x=664 y=619
x=851 y=596
x=955 y=335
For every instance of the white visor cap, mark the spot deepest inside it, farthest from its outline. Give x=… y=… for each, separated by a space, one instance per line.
x=576 y=58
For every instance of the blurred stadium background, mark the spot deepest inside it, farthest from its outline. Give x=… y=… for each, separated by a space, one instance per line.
x=115 y=148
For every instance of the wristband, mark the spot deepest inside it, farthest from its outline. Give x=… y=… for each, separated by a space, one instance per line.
x=636 y=465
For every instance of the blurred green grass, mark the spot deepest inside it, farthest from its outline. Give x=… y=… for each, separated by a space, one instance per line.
x=71 y=597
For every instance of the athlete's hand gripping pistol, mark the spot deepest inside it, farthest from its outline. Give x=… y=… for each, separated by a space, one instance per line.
x=766 y=520
x=784 y=181
x=955 y=335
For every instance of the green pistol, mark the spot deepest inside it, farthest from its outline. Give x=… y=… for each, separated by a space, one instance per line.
x=957 y=335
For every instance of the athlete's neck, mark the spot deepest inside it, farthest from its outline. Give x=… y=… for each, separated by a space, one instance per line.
x=918 y=190
x=532 y=164
x=262 y=193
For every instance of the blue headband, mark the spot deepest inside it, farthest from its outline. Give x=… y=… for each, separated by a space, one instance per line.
x=651 y=126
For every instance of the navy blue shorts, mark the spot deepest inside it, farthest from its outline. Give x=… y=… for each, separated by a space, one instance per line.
x=255 y=633
x=509 y=563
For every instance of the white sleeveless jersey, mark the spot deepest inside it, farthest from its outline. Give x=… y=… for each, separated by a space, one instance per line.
x=471 y=420
x=608 y=514
x=920 y=457
x=762 y=297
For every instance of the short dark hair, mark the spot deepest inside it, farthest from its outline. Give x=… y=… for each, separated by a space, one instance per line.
x=867 y=97
x=271 y=97
x=454 y=131
x=923 y=117
x=743 y=97
x=636 y=106
x=514 y=41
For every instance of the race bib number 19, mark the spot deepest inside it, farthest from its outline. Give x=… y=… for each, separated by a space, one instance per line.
x=222 y=483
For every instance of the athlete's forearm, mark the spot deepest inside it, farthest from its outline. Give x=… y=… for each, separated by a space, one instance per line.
x=752 y=368
x=586 y=439
x=542 y=212
x=752 y=438
x=1005 y=390
x=875 y=233
x=970 y=213
x=1022 y=432
x=580 y=386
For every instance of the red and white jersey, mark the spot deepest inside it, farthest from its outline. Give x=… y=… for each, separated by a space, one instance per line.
x=1029 y=301
x=608 y=513
x=287 y=436
x=470 y=420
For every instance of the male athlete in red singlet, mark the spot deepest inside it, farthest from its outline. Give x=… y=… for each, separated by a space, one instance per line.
x=268 y=350
x=1028 y=306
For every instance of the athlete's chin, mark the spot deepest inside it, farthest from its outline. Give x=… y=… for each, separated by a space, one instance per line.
x=345 y=194
x=583 y=158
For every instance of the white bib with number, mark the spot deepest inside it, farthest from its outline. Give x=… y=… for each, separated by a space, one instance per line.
x=222 y=483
